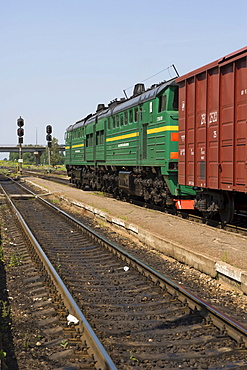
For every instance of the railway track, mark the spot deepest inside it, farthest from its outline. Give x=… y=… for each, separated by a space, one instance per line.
x=58 y=176
x=72 y=348
x=238 y=226
x=140 y=317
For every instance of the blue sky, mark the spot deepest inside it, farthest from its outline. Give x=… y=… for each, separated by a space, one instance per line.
x=60 y=58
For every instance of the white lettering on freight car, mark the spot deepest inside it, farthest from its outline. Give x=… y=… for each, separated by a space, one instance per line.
x=182 y=151
x=214 y=134
x=243 y=92
x=202 y=154
x=203 y=118
x=202 y=151
x=213 y=117
x=183 y=105
x=191 y=183
x=183 y=138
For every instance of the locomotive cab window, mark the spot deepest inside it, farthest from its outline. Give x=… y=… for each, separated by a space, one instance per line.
x=162 y=103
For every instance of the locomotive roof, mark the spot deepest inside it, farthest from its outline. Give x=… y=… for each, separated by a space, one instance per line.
x=119 y=106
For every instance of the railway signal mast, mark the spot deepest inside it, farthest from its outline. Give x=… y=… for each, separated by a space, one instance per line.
x=20 y=134
x=49 y=139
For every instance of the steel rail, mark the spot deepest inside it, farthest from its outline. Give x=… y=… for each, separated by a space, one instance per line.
x=102 y=358
x=210 y=313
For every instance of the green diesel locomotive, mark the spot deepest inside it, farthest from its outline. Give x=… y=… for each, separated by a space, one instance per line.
x=130 y=148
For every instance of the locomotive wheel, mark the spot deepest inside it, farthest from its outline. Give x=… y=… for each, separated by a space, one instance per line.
x=227 y=213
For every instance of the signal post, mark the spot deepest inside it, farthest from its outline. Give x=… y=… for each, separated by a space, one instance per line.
x=20 y=134
x=49 y=139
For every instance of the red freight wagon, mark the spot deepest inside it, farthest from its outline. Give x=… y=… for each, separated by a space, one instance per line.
x=213 y=134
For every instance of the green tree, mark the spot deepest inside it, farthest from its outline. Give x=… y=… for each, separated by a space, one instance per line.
x=28 y=158
x=13 y=156
x=57 y=157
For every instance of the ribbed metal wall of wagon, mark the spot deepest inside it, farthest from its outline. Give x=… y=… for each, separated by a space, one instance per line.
x=213 y=135
x=130 y=148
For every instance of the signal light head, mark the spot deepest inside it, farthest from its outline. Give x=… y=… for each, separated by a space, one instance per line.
x=49 y=129
x=48 y=137
x=20 y=122
x=20 y=132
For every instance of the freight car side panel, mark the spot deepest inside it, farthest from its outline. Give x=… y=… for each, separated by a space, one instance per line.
x=200 y=132
x=181 y=136
x=233 y=123
x=212 y=168
x=226 y=113
x=187 y=133
x=241 y=125
x=213 y=125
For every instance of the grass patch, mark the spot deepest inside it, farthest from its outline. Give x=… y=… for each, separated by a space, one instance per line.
x=55 y=201
x=15 y=260
x=125 y=218
x=102 y=223
x=225 y=257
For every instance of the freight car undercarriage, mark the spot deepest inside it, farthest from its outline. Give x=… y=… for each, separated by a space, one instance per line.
x=220 y=203
x=212 y=203
x=146 y=183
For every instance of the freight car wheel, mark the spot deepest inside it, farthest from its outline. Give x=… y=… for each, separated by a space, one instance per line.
x=227 y=213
